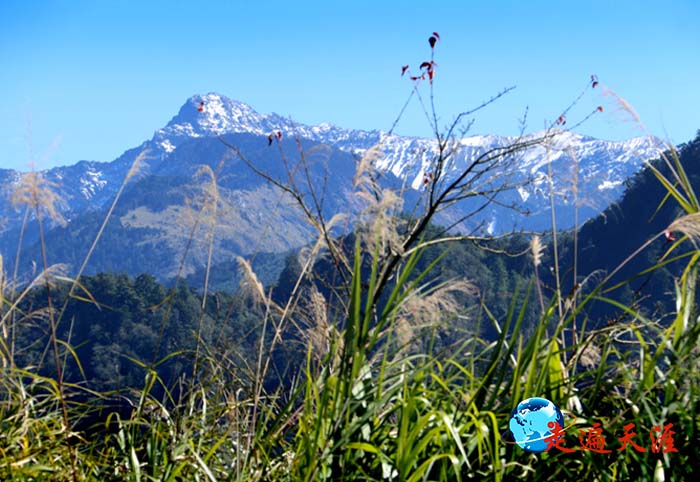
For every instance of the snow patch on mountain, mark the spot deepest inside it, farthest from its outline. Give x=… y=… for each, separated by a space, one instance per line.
x=167 y=146
x=91 y=183
x=609 y=185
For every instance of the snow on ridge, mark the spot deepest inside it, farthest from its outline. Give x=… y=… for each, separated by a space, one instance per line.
x=411 y=157
x=609 y=185
x=91 y=183
x=221 y=115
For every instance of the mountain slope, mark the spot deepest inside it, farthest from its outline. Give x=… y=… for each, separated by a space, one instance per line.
x=149 y=229
x=607 y=240
x=166 y=219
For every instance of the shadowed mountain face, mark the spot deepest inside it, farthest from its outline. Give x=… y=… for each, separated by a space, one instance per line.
x=205 y=194
x=643 y=212
x=193 y=195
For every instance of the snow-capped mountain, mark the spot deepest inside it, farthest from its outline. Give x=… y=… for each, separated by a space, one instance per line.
x=221 y=115
x=585 y=172
x=407 y=156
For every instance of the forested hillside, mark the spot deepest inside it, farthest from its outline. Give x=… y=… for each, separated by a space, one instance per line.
x=642 y=214
x=119 y=325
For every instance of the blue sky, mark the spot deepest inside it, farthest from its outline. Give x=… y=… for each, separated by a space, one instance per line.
x=87 y=80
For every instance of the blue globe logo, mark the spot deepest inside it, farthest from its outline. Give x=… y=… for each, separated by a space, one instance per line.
x=533 y=421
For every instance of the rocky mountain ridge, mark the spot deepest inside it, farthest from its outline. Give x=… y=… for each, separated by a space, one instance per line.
x=586 y=175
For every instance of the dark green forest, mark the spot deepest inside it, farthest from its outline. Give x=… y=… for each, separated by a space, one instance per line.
x=119 y=326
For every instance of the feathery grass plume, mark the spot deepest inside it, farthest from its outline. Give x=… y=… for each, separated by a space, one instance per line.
x=574 y=172
x=138 y=167
x=209 y=195
x=50 y=276
x=405 y=333
x=378 y=224
x=201 y=207
x=589 y=355
x=319 y=332
x=624 y=106
x=688 y=225
x=250 y=285
x=537 y=248
x=34 y=190
x=308 y=255
x=366 y=166
x=430 y=308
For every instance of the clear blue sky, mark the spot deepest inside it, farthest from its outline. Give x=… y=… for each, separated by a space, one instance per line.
x=89 y=79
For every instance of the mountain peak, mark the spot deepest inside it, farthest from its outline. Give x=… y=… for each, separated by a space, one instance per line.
x=218 y=114
x=212 y=114
x=208 y=115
